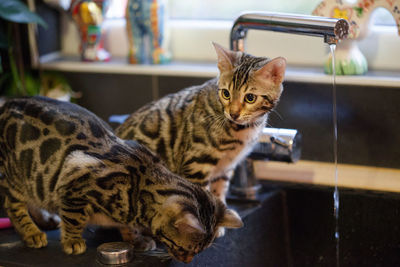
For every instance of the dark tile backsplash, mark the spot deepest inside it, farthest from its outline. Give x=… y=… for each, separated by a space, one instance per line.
x=368 y=117
x=168 y=85
x=368 y=122
x=109 y=94
x=367 y=226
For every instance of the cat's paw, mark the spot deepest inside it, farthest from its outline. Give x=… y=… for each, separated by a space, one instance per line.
x=37 y=240
x=74 y=246
x=144 y=243
x=220 y=232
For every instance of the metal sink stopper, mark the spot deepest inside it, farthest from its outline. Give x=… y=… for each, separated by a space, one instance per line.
x=115 y=253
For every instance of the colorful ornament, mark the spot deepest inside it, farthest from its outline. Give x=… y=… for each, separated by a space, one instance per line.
x=146 y=25
x=89 y=14
x=349 y=59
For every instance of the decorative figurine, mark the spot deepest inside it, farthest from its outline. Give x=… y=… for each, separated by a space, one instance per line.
x=88 y=14
x=349 y=59
x=146 y=26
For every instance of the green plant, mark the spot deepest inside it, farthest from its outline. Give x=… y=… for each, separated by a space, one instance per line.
x=13 y=79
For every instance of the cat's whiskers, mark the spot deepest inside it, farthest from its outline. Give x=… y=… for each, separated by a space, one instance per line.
x=267 y=124
x=220 y=123
x=215 y=122
x=277 y=114
x=212 y=117
x=207 y=119
x=217 y=246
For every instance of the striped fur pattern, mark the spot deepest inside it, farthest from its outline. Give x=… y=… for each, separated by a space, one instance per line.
x=60 y=157
x=202 y=132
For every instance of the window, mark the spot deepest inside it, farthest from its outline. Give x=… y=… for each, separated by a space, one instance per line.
x=116 y=9
x=229 y=10
x=195 y=24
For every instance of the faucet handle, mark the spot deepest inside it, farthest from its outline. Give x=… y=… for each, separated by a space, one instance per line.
x=278 y=144
x=273 y=144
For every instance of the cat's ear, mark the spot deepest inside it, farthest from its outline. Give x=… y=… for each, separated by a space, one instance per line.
x=226 y=58
x=189 y=224
x=274 y=70
x=231 y=220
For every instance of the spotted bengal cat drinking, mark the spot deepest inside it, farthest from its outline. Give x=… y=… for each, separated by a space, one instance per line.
x=60 y=157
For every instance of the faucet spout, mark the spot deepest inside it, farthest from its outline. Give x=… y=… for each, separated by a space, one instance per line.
x=331 y=29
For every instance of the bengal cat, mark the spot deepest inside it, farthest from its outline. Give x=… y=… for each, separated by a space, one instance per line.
x=60 y=157
x=203 y=131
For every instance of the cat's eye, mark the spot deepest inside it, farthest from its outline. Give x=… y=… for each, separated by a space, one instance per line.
x=250 y=98
x=225 y=94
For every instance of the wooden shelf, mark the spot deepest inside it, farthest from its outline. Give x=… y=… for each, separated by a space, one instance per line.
x=322 y=173
x=208 y=70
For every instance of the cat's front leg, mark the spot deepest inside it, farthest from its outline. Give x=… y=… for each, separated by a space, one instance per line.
x=17 y=211
x=74 y=217
x=219 y=188
x=137 y=238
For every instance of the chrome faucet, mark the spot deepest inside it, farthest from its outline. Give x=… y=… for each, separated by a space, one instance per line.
x=274 y=144
x=332 y=30
x=277 y=144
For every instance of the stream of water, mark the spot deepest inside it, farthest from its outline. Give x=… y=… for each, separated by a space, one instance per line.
x=335 y=155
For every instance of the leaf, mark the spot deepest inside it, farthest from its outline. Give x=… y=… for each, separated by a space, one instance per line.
x=32 y=84
x=16 y=11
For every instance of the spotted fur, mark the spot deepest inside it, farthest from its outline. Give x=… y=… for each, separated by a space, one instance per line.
x=60 y=157
x=200 y=134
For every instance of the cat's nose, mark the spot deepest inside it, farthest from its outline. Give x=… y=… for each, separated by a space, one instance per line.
x=234 y=116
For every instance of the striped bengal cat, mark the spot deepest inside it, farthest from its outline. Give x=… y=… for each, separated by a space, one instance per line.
x=60 y=157
x=202 y=132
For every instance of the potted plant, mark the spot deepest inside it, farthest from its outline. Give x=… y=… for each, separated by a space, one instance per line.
x=14 y=79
